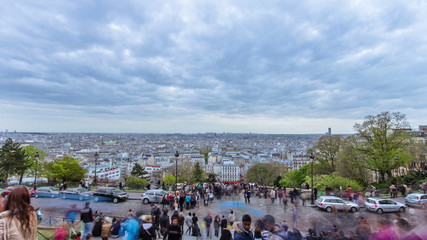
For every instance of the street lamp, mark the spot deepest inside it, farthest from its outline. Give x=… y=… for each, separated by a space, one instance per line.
x=96 y=163
x=312 y=184
x=396 y=159
x=37 y=155
x=176 y=170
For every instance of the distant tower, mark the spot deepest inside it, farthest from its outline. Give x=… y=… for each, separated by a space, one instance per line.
x=329 y=131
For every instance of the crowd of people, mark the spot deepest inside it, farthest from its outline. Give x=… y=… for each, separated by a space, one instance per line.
x=177 y=215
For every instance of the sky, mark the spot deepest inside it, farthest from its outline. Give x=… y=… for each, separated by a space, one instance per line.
x=177 y=66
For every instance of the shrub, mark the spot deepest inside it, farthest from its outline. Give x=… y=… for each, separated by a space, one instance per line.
x=136 y=183
x=334 y=181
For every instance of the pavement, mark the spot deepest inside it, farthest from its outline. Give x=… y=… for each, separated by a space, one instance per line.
x=307 y=216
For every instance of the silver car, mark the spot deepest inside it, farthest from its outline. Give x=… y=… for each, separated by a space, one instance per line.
x=154 y=195
x=416 y=200
x=380 y=205
x=329 y=202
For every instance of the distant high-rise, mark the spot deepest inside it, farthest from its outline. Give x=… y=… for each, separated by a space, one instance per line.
x=329 y=133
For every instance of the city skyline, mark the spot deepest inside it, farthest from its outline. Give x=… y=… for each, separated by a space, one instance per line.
x=196 y=67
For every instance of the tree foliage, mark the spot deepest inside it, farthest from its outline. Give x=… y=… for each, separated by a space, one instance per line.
x=138 y=171
x=334 y=181
x=326 y=153
x=198 y=174
x=169 y=179
x=66 y=169
x=383 y=142
x=12 y=159
x=136 y=182
x=295 y=178
x=350 y=162
x=265 y=173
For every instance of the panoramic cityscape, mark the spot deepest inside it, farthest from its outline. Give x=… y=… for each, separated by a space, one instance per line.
x=229 y=120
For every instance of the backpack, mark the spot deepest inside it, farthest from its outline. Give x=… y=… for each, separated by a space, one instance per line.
x=146 y=233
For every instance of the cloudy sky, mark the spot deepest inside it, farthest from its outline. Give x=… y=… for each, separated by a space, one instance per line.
x=210 y=66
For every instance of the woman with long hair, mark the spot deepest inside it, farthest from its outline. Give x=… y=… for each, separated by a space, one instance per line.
x=18 y=219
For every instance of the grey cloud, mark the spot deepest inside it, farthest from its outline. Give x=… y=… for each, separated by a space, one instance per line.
x=318 y=59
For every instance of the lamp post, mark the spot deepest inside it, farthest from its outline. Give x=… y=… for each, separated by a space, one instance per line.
x=396 y=159
x=96 y=163
x=37 y=155
x=176 y=170
x=312 y=184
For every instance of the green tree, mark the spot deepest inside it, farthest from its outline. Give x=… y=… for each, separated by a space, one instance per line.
x=326 y=153
x=66 y=169
x=138 y=171
x=169 y=179
x=136 y=182
x=350 y=162
x=265 y=173
x=12 y=158
x=198 y=174
x=383 y=141
x=34 y=163
x=334 y=181
x=295 y=178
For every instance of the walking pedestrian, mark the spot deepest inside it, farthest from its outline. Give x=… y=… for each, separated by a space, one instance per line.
x=217 y=224
x=174 y=230
x=189 y=223
x=208 y=221
x=86 y=217
x=231 y=218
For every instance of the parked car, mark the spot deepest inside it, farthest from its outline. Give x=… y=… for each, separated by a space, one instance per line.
x=76 y=194
x=50 y=192
x=9 y=189
x=381 y=205
x=154 y=195
x=328 y=202
x=109 y=194
x=416 y=200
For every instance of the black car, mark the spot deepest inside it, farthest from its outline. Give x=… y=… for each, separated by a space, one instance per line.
x=109 y=194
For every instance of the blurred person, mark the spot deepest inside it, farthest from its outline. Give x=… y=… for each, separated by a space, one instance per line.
x=61 y=233
x=174 y=230
x=106 y=228
x=259 y=226
x=97 y=228
x=71 y=215
x=311 y=235
x=18 y=219
x=385 y=230
x=223 y=222
x=363 y=230
x=115 y=229
x=189 y=223
x=242 y=231
x=129 y=229
x=39 y=215
x=86 y=217
x=155 y=217
x=275 y=231
x=217 y=224
x=273 y=195
x=146 y=229
x=226 y=234
x=208 y=221
x=89 y=237
x=231 y=218
x=294 y=234
x=164 y=223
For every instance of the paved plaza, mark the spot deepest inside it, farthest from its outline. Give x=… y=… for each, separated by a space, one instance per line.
x=307 y=216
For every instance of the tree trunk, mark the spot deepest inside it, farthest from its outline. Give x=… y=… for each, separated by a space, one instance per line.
x=21 y=176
